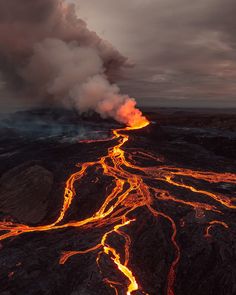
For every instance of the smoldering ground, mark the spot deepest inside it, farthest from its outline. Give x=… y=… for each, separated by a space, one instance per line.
x=53 y=125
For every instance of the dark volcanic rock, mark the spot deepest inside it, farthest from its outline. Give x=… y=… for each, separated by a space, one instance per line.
x=30 y=193
x=24 y=192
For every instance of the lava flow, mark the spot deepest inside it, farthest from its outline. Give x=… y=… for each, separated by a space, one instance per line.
x=133 y=187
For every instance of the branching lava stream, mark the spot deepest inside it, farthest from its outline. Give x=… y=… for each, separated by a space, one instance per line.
x=132 y=190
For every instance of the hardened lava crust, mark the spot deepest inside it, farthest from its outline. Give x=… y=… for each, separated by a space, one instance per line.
x=90 y=207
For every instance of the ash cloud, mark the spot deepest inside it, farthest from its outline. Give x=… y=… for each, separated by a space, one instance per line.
x=49 y=56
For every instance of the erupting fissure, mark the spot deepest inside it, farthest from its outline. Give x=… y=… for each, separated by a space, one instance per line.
x=130 y=191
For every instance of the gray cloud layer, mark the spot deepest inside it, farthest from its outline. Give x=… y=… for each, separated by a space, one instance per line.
x=184 y=50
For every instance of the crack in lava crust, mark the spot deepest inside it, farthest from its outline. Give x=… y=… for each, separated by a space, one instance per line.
x=130 y=192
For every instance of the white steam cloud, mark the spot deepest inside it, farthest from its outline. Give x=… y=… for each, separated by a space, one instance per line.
x=52 y=57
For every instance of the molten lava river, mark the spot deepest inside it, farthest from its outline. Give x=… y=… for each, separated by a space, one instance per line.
x=133 y=188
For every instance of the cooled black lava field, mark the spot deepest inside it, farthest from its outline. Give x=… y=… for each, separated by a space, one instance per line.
x=90 y=207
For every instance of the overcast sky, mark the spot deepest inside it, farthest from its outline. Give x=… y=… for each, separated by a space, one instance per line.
x=183 y=50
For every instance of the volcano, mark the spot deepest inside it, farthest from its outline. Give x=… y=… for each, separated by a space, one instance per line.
x=92 y=207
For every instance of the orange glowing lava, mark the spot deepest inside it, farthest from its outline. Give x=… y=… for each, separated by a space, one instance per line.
x=130 y=191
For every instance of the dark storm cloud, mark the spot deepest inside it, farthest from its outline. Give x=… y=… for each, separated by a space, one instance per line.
x=184 y=50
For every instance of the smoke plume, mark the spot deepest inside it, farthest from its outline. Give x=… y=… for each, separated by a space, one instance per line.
x=48 y=54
